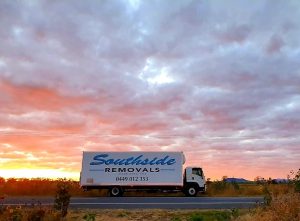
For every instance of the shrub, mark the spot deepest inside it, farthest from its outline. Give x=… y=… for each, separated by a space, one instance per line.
x=267 y=195
x=36 y=215
x=297 y=181
x=62 y=197
x=176 y=218
x=196 y=217
x=211 y=216
x=89 y=217
x=235 y=213
x=15 y=215
x=235 y=185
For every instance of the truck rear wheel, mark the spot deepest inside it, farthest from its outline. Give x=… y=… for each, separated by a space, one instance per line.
x=116 y=191
x=191 y=191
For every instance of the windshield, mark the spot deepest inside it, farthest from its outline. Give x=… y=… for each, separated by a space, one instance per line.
x=197 y=171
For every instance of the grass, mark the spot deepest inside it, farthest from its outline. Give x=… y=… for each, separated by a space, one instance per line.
x=47 y=214
x=284 y=207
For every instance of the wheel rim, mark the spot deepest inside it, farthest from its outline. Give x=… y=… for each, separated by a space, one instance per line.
x=115 y=191
x=192 y=191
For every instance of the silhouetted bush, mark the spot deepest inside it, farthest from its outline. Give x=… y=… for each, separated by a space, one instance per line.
x=62 y=197
x=297 y=181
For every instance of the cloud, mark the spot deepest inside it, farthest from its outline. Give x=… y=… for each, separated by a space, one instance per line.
x=219 y=81
x=275 y=44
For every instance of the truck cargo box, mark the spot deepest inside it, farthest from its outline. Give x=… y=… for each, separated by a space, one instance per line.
x=132 y=169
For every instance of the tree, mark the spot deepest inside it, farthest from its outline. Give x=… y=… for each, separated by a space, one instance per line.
x=269 y=181
x=297 y=181
x=2 y=180
x=62 y=197
x=2 y=183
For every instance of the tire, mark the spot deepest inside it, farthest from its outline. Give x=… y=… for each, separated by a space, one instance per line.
x=116 y=191
x=191 y=191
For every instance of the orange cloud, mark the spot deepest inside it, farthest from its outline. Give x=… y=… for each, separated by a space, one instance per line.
x=17 y=98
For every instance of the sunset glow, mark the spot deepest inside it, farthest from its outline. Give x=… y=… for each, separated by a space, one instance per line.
x=38 y=173
x=216 y=80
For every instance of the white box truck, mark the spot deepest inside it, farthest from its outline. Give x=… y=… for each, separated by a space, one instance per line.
x=124 y=171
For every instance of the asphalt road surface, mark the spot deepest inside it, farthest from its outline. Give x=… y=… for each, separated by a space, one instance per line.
x=142 y=202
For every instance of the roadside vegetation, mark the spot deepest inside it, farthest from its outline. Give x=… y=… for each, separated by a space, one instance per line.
x=50 y=214
x=48 y=187
x=224 y=189
x=278 y=205
x=285 y=207
x=281 y=203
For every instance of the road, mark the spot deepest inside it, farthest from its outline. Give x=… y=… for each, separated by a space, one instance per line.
x=143 y=202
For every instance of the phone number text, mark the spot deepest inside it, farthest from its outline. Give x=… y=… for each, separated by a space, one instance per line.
x=132 y=179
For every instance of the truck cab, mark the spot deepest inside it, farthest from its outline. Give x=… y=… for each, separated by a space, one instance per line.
x=194 y=181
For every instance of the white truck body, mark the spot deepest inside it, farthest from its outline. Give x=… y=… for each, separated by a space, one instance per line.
x=155 y=171
x=132 y=168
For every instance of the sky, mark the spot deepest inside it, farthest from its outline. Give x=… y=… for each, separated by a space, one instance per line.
x=218 y=80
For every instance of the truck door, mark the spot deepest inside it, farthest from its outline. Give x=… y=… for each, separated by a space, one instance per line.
x=195 y=180
x=198 y=177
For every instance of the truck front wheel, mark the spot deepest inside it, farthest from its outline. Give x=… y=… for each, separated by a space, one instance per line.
x=191 y=191
x=116 y=191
